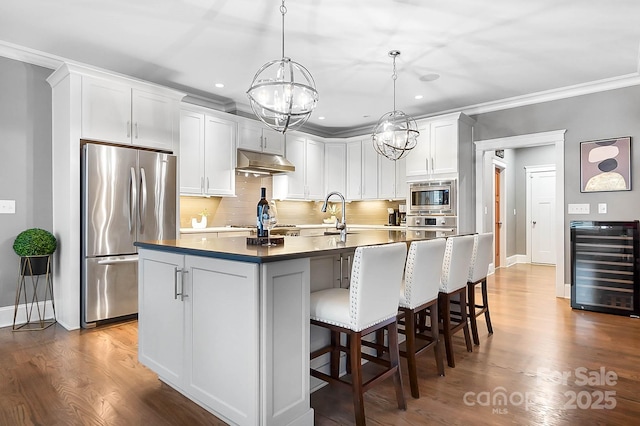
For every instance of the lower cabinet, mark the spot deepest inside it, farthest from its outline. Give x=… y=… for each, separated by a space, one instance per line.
x=231 y=336
x=193 y=338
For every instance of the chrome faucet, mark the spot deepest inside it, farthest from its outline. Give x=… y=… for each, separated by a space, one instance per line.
x=342 y=226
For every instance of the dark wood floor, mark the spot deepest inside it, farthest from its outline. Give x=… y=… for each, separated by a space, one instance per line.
x=92 y=377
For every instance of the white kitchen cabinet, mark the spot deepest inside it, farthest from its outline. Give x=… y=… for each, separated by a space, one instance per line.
x=369 y=171
x=161 y=340
x=437 y=152
x=335 y=167
x=184 y=332
x=114 y=111
x=307 y=182
x=80 y=102
x=254 y=136
x=354 y=170
x=207 y=154
x=391 y=179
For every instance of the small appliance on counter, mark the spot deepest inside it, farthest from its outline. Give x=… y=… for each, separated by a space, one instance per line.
x=402 y=214
x=393 y=217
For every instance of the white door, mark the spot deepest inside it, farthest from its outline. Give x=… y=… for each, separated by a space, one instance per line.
x=543 y=205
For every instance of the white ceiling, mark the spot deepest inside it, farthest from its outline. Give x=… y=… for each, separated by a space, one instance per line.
x=483 y=50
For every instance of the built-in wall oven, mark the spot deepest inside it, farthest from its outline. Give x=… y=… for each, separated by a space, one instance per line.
x=432 y=197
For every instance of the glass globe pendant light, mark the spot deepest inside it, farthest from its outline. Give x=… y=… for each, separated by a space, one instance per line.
x=396 y=133
x=283 y=93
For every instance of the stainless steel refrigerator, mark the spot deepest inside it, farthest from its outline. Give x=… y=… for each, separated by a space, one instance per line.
x=128 y=195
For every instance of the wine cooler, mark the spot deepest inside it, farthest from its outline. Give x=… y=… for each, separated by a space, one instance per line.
x=605 y=267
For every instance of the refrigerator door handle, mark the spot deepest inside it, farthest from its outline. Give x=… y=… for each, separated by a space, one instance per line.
x=133 y=196
x=143 y=194
x=118 y=260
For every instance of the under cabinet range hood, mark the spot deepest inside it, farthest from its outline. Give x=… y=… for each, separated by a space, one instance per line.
x=262 y=163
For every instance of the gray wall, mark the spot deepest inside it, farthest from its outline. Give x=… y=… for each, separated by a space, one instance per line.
x=25 y=161
x=589 y=117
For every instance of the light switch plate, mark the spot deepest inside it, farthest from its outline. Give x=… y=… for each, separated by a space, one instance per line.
x=578 y=209
x=602 y=208
x=7 y=206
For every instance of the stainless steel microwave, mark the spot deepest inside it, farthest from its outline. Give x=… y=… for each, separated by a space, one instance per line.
x=432 y=197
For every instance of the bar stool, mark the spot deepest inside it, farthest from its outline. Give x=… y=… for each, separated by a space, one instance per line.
x=455 y=271
x=370 y=304
x=419 y=297
x=480 y=260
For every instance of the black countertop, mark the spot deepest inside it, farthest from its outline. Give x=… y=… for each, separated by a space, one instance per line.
x=236 y=248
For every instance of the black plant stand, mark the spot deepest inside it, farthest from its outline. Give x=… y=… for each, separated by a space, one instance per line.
x=34 y=267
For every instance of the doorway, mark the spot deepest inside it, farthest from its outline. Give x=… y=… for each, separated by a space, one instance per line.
x=485 y=183
x=541 y=199
x=497 y=213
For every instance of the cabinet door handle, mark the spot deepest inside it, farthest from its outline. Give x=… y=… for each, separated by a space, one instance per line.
x=207 y=190
x=136 y=126
x=433 y=165
x=261 y=142
x=265 y=142
x=128 y=129
x=175 y=282
x=181 y=272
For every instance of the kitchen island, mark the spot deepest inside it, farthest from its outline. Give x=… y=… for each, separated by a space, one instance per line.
x=227 y=323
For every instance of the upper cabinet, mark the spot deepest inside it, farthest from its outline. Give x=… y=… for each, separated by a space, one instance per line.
x=115 y=111
x=437 y=154
x=207 y=153
x=335 y=167
x=307 y=182
x=255 y=136
x=353 y=181
x=392 y=182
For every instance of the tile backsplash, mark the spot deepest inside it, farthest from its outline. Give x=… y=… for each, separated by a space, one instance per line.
x=241 y=209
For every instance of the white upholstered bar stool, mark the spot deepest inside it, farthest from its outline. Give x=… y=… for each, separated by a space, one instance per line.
x=453 y=284
x=419 y=297
x=370 y=304
x=478 y=270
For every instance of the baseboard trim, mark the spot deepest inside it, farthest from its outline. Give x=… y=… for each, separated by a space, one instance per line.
x=6 y=314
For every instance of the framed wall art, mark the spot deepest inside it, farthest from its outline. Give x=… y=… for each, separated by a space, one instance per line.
x=605 y=165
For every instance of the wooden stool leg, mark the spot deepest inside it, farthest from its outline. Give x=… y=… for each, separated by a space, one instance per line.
x=435 y=335
x=380 y=341
x=394 y=358
x=485 y=303
x=465 y=321
x=445 y=314
x=472 y=312
x=410 y=332
x=348 y=353
x=355 y=351
x=335 y=354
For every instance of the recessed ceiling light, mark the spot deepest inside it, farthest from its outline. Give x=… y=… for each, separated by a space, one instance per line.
x=430 y=77
x=219 y=85
x=321 y=118
x=366 y=116
x=419 y=97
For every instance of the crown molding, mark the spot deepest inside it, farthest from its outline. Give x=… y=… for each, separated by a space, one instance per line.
x=603 y=85
x=31 y=56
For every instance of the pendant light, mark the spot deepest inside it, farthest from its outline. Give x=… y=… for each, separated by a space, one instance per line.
x=283 y=93
x=396 y=133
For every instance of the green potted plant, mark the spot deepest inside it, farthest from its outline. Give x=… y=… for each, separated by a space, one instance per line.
x=35 y=247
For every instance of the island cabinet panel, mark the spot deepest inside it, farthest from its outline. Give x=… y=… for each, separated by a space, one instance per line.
x=222 y=345
x=161 y=315
x=285 y=329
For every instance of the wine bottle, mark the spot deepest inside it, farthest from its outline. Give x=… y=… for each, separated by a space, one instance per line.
x=263 y=209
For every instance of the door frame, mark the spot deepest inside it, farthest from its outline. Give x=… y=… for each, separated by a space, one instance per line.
x=528 y=171
x=556 y=138
x=502 y=166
